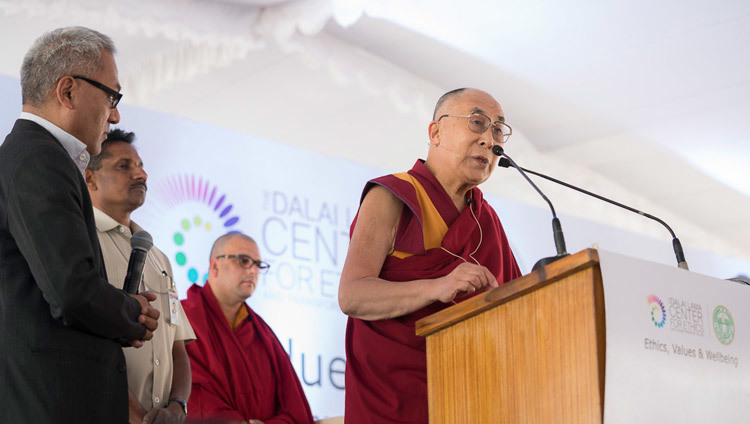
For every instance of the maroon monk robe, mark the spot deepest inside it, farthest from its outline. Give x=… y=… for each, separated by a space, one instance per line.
x=386 y=371
x=239 y=374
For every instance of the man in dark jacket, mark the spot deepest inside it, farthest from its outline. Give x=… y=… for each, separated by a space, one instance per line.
x=61 y=323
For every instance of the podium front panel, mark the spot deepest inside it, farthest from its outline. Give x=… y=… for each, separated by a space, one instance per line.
x=531 y=358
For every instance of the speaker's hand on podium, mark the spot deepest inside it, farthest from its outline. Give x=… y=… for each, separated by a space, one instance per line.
x=467 y=278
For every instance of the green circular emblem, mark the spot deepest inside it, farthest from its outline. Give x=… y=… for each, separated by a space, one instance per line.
x=723 y=325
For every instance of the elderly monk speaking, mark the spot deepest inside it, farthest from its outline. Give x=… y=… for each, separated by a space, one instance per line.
x=422 y=240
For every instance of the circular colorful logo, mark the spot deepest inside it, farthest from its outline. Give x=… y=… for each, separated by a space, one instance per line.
x=723 y=325
x=658 y=312
x=209 y=216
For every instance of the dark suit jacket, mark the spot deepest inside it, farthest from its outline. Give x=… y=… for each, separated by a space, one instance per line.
x=60 y=320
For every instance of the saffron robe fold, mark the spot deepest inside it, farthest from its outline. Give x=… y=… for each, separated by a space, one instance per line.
x=239 y=374
x=386 y=371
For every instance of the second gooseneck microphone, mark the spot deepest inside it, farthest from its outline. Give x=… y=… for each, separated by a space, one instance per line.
x=140 y=243
x=676 y=245
x=556 y=226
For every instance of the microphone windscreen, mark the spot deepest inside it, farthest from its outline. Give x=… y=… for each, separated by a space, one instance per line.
x=504 y=162
x=141 y=240
x=497 y=150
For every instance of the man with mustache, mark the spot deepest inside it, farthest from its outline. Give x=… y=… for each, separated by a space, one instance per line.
x=241 y=374
x=159 y=372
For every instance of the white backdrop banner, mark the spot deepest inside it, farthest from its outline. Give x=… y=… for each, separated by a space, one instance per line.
x=205 y=181
x=678 y=345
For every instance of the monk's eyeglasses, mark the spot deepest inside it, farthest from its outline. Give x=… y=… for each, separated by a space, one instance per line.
x=247 y=262
x=478 y=123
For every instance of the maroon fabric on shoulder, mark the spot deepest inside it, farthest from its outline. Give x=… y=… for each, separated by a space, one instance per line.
x=386 y=371
x=239 y=374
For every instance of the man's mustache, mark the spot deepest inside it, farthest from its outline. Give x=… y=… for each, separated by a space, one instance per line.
x=140 y=184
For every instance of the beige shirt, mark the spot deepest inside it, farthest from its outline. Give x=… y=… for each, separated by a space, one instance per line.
x=150 y=367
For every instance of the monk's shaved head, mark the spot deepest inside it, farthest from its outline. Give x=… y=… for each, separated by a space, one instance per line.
x=449 y=98
x=445 y=98
x=222 y=241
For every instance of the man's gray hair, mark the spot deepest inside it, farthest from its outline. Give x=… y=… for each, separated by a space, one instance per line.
x=64 y=51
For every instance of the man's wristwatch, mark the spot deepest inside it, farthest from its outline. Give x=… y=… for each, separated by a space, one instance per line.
x=182 y=403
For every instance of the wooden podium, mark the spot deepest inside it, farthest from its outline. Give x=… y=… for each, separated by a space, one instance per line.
x=529 y=351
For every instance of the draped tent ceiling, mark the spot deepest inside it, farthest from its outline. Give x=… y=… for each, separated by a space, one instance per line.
x=640 y=101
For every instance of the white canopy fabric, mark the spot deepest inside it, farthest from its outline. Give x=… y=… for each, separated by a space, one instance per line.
x=641 y=102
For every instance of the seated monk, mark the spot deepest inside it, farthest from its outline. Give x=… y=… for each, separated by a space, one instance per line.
x=422 y=240
x=241 y=374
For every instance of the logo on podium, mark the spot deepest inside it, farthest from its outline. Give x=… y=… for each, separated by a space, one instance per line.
x=723 y=325
x=658 y=312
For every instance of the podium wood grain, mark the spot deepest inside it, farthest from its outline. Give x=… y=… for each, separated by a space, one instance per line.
x=530 y=351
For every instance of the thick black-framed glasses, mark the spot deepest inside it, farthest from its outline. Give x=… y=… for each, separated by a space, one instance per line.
x=478 y=123
x=247 y=262
x=114 y=96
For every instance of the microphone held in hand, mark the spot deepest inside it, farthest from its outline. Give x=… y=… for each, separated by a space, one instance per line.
x=557 y=232
x=141 y=243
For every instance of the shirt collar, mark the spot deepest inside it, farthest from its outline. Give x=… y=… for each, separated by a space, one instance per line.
x=105 y=223
x=76 y=148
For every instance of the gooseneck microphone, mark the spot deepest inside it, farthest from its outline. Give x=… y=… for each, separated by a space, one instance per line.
x=141 y=243
x=676 y=245
x=556 y=227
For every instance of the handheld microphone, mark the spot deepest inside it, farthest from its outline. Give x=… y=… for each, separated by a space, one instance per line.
x=141 y=243
x=557 y=232
x=676 y=245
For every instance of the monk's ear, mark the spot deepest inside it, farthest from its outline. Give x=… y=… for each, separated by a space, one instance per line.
x=65 y=90
x=433 y=131
x=213 y=268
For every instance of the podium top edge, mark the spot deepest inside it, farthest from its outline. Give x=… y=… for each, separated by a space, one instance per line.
x=507 y=292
